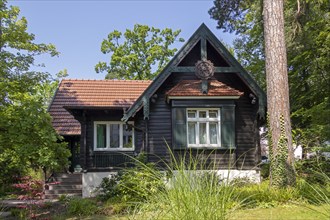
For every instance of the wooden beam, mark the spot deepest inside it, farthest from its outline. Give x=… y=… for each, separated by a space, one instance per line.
x=185 y=69
x=203 y=49
x=217 y=69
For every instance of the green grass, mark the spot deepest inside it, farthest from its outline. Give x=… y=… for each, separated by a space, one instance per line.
x=292 y=212
x=285 y=212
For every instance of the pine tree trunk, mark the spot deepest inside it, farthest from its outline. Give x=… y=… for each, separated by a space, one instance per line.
x=280 y=139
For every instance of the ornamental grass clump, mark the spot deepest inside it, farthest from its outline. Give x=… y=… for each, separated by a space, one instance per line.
x=317 y=194
x=193 y=191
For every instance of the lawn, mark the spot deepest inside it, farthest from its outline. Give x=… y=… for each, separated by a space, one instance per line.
x=287 y=212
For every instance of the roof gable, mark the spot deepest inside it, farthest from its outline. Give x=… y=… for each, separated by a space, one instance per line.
x=200 y=44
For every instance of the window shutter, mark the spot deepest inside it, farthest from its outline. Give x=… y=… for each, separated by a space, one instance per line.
x=179 y=123
x=228 y=126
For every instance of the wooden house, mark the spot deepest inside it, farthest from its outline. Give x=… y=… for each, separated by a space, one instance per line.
x=202 y=102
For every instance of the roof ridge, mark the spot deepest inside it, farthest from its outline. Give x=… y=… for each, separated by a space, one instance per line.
x=107 y=80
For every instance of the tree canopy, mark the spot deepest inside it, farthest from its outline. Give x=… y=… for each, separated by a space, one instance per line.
x=140 y=53
x=27 y=138
x=307 y=31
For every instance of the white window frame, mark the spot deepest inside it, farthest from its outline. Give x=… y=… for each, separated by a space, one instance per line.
x=206 y=120
x=121 y=136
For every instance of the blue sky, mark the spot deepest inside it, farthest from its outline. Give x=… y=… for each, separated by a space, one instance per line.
x=77 y=28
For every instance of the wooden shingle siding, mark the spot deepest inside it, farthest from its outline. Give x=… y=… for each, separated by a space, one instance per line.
x=160 y=132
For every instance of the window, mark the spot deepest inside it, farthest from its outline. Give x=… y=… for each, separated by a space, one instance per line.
x=203 y=127
x=112 y=136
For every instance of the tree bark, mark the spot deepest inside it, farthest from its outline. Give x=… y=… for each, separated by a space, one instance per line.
x=278 y=95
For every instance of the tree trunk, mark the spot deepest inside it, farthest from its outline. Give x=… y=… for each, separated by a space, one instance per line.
x=280 y=139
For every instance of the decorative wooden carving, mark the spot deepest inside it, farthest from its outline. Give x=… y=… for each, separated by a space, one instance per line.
x=204 y=69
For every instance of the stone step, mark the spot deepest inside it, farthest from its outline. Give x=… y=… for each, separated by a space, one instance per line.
x=63 y=191
x=68 y=175
x=67 y=180
x=63 y=186
x=56 y=196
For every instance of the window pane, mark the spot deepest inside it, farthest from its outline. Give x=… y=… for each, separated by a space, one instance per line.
x=114 y=136
x=202 y=133
x=127 y=138
x=192 y=114
x=213 y=114
x=213 y=133
x=202 y=114
x=101 y=136
x=192 y=133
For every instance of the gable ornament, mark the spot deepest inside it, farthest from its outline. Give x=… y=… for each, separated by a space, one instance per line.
x=204 y=71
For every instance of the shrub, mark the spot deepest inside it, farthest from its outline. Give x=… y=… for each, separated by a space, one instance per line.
x=81 y=207
x=140 y=183
x=317 y=194
x=262 y=195
x=108 y=187
x=312 y=170
x=29 y=188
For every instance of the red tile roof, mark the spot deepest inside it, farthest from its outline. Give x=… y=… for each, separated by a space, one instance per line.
x=193 y=88
x=91 y=93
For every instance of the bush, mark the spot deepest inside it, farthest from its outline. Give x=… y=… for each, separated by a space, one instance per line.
x=108 y=187
x=315 y=193
x=82 y=207
x=310 y=169
x=29 y=188
x=140 y=183
x=262 y=195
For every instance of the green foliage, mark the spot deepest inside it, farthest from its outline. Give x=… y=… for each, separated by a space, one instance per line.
x=192 y=195
x=27 y=139
x=264 y=172
x=19 y=213
x=140 y=183
x=262 y=195
x=82 y=207
x=108 y=187
x=317 y=193
x=144 y=49
x=307 y=32
x=190 y=192
x=134 y=184
x=287 y=211
x=313 y=170
x=281 y=174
